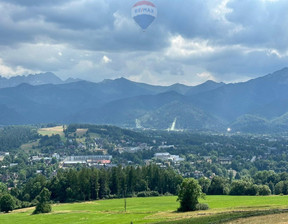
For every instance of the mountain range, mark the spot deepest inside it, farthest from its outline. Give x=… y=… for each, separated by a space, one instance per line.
x=258 y=105
x=37 y=79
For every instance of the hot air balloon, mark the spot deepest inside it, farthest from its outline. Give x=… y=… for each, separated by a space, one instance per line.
x=144 y=13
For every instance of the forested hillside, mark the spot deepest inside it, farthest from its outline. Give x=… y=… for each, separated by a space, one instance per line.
x=255 y=106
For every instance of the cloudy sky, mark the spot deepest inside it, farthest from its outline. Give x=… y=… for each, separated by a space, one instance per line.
x=191 y=41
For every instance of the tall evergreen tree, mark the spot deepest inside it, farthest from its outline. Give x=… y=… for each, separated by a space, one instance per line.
x=131 y=179
x=104 y=190
x=94 y=183
x=43 y=205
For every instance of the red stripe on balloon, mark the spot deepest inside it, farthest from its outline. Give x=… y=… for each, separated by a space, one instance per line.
x=144 y=3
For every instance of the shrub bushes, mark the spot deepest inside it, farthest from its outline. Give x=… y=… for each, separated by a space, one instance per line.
x=202 y=206
x=148 y=194
x=241 y=187
x=42 y=208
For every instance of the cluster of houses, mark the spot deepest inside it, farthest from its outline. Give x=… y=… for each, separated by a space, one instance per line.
x=69 y=161
x=96 y=145
x=47 y=159
x=140 y=147
x=221 y=160
x=88 y=160
x=165 y=156
x=161 y=158
x=3 y=154
x=165 y=159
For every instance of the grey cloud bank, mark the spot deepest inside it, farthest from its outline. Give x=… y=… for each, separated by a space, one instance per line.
x=190 y=42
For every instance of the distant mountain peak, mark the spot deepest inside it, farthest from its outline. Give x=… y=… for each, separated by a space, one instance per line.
x=178 y=84
x=69 y=80
x=212 y=82
x=204 y=87
x=122 y=79
x=281 y=73
x=34 y=80
x=280 y=76
x=50 y=74
x=209 y=81
x=285 y=69
x=43 y=78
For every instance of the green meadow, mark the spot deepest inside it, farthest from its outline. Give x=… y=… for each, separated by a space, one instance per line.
x=151 y=210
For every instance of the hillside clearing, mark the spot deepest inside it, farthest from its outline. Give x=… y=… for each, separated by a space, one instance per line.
x=52 y=131
x=30 y=146
x=81 y=131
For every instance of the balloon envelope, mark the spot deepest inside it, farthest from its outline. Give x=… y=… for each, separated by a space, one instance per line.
x=144 y=13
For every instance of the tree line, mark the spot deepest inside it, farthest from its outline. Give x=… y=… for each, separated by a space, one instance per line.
x=91 y=184
x=12 y=137
x=262 y=183
x=86 y=184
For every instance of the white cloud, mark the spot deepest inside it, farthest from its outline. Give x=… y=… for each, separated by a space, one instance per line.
x=206 y=76
x=221 y=10
x=190 y=41
x=106 y=60
x=181 y=47
x=85 y=65
x=7 y=71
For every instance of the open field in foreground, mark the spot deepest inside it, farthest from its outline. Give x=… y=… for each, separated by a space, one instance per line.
x=154 y=210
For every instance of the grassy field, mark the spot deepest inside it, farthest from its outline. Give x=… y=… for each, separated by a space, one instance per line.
x=81 y=131
x=151 y=210
x=29 y=146
x=52 y=131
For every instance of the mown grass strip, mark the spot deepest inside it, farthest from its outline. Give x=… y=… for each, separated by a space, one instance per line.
x=225 y=217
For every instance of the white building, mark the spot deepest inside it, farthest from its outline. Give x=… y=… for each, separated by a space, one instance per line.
x=166 y=156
